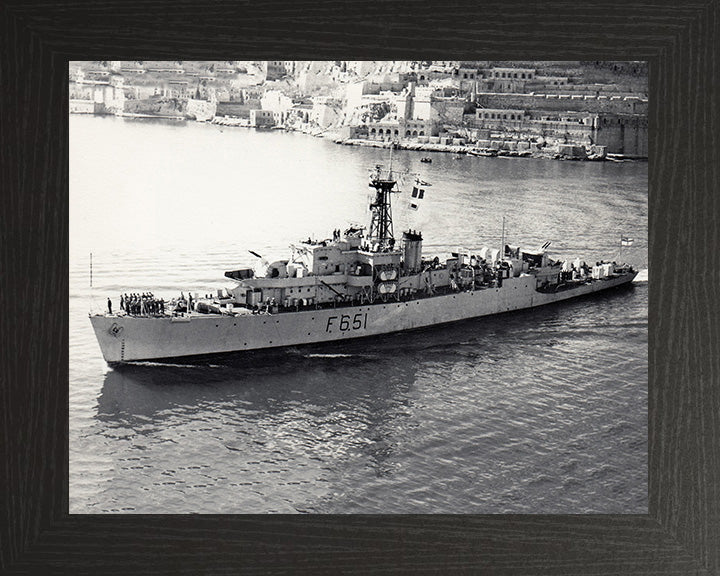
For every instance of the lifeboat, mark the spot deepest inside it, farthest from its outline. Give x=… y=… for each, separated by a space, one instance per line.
x=386 y=275
x=387 y=287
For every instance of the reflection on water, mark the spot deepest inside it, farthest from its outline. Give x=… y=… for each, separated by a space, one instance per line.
x=535 y=411
x=388 y=420
x=332 y=372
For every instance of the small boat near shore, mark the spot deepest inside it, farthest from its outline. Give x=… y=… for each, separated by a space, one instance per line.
x=483 y=152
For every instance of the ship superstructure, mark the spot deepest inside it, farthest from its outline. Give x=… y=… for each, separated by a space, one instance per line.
x=350 y=268
x=350 y=286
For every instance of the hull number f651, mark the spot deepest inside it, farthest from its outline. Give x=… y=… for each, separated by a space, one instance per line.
x=347 y=322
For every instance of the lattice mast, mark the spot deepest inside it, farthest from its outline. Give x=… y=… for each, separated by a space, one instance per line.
x=381 y=224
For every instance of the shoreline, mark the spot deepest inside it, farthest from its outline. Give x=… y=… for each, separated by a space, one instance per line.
x=457 y=149
x=471 y=150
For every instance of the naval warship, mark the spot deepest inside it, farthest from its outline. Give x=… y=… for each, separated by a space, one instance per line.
x=351 y=286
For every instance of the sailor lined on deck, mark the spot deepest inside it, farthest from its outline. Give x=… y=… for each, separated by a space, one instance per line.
x=141 y=304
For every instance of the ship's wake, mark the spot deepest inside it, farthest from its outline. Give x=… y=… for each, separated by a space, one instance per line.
x=173 y=364
x=642 y=277
x=319 y=355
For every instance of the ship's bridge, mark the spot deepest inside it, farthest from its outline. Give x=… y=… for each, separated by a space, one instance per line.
x=326 y=257
x=377 y=260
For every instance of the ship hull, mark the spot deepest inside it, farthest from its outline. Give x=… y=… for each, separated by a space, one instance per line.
x=131 y=338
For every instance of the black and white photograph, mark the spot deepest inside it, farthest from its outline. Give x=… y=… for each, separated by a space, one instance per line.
x=358 y=287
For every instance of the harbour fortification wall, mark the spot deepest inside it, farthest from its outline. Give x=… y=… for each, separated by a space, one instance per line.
x=565 y=103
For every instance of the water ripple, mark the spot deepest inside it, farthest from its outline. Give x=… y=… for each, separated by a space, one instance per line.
x=538 y=411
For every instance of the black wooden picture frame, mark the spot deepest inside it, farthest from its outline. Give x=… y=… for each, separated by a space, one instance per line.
x=681 y=533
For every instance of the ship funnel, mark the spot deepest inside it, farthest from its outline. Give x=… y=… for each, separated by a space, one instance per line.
x=413 y=251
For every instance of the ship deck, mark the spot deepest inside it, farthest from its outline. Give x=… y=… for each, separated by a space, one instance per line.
x=243 y=310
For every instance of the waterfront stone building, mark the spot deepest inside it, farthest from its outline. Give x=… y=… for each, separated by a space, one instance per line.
x=619 y=133
x=97 y=96
x=262 y=118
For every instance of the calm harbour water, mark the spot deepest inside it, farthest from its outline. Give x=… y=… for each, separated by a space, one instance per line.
x=543 y=411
